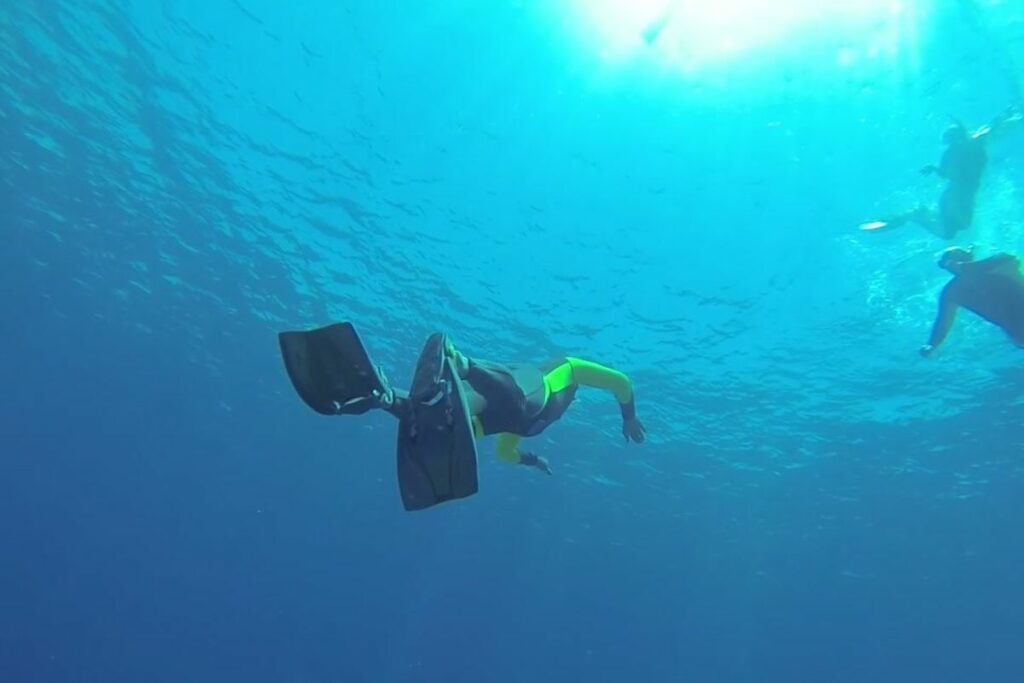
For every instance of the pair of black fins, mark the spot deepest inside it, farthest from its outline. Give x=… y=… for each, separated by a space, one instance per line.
x=437 y=459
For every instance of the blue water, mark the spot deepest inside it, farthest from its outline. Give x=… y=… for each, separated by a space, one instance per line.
x=181 y=180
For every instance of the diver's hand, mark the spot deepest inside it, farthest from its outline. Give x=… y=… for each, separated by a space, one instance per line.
x=633 y=430
x=926 y=351
x=534 y=460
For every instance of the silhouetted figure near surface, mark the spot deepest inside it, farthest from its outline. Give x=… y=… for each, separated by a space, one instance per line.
x=962 y=166
x=992 y=288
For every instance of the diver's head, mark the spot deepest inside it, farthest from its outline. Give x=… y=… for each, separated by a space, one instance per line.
x=953 y=259
x=955 y=134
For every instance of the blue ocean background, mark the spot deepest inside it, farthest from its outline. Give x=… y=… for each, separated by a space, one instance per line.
x=179 y=181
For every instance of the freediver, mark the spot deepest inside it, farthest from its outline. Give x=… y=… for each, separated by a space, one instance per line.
x=962 y=166
x=453 y=401
x=992 y=288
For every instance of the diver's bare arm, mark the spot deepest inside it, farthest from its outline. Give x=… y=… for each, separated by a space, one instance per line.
x=943 y=321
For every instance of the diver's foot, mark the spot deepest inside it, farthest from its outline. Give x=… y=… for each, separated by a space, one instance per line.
x=387 y=399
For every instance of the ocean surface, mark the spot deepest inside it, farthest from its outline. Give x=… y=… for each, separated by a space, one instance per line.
x=671 y=189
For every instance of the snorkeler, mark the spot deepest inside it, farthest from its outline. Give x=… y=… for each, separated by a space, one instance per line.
x=453 y=401
x=992 y=288
x=962 y=166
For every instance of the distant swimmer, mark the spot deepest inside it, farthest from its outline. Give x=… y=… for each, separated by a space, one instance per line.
x=962 y=166
x=453 y=401
x=992 y=288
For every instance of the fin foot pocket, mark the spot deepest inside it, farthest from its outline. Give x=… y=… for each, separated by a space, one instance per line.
x=436 y=451
x=331 y=370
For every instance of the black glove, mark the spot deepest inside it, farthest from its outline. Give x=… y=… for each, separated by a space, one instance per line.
x=534 y=460
x=633 y=430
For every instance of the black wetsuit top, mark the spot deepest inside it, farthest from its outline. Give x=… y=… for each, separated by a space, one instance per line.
x=964 y=163
x=992 y=289
x=519 y=400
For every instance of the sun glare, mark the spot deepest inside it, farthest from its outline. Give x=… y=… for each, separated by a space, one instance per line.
x=691 y=34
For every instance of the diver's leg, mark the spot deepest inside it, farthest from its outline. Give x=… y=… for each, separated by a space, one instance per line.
x=936 y=225
x=483 y=383
x=477 y=403
x=492 y=383
x=922 y=215
x=956 y=212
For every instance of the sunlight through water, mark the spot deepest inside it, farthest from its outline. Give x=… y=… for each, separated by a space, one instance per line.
x=690 y=35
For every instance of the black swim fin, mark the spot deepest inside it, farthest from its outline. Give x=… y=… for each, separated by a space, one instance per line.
x=437 y=458
x=331 y=370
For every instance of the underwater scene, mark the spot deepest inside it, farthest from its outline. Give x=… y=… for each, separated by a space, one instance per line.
x=512 y=340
